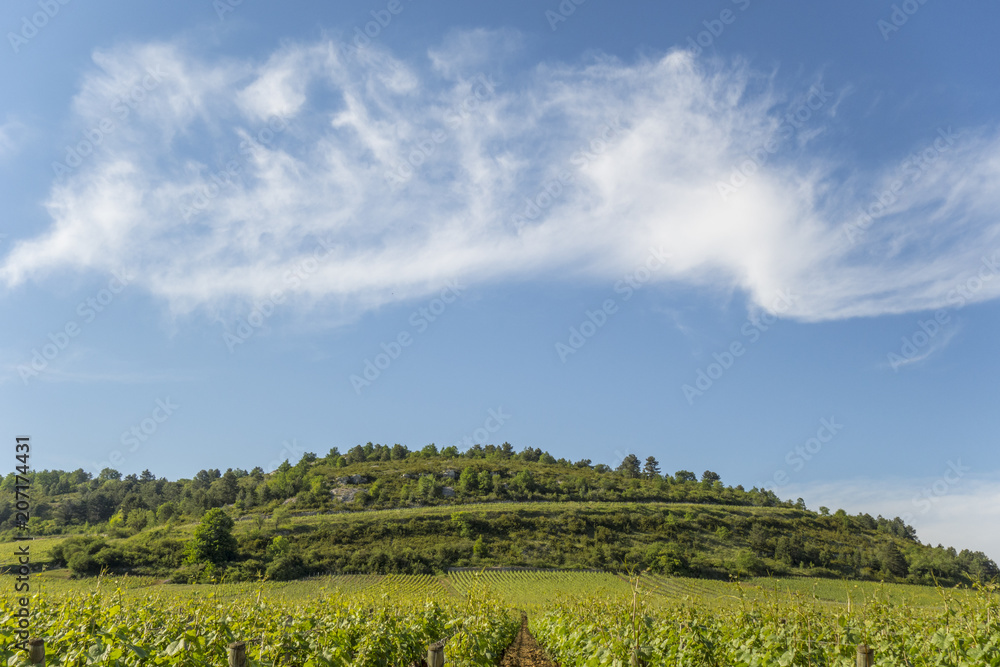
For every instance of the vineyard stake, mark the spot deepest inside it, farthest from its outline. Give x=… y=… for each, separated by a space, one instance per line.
x=36 y=651
x=435 y=655
x=866 y=656
x=238 y=654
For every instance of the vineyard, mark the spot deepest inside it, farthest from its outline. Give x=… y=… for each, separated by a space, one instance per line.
x=580 y=618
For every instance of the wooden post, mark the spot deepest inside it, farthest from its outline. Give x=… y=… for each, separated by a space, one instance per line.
x=866 y=656
x=36 y=651
x=238 y=654
x=435 y=655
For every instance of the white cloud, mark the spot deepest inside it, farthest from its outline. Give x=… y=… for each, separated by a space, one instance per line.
x=951 y=509
x=10 y=131
x=413 y=179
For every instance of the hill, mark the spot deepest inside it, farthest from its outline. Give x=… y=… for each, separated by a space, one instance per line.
x=382 y=509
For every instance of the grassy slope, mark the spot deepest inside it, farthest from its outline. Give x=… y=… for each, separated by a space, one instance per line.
x=533 y=534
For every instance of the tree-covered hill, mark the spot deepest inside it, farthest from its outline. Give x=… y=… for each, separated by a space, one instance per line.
x=379 y=508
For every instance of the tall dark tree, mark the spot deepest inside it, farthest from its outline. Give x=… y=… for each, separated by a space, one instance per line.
x=892 y=560
x=710 y=477
x=630 y=466
x=652 y=468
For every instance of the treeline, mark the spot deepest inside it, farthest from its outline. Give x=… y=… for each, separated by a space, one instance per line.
x=688 y=540
x=370 y=476
x=132 y=522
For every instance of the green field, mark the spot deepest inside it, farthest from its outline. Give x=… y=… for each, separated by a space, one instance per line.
x=584 y=618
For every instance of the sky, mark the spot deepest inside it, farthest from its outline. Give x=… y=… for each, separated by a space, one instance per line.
x=756 y=238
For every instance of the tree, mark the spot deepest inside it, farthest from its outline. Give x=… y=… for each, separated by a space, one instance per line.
x=213 y=539
x=709 y=477
x=280 y=515
x=468 y=482
x=479 y=548
x=629 y=466
x=758 y=539
x=484 y=481
x=684 y=476
x=652 y=468
x=109 y=474
x=892 y=560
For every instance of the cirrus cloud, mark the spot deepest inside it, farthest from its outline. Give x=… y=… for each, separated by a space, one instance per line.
x=416 y=172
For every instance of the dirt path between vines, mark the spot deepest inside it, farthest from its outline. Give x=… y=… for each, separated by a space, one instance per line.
x=525 y=651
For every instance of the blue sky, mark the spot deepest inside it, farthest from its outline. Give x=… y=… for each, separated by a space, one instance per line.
x=757 y=238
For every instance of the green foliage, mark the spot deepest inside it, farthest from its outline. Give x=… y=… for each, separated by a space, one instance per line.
x=528 y=508
x=213 y=540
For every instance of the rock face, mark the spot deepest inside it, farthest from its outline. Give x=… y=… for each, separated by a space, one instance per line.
x=448 y=492
x=344 y=495
x=353 y=479
x=450 y=474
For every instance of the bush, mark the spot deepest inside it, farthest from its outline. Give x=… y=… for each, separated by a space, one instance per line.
x=83 y=564
x=286 y=568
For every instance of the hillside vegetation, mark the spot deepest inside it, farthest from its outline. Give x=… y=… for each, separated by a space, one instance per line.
x=382 y=509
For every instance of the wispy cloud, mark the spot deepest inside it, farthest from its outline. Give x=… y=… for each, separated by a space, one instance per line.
x=9 y=133
x=951 y=509
x=936 y=345
x=474 y=160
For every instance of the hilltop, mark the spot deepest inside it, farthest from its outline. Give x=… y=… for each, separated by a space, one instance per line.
x=386 y=509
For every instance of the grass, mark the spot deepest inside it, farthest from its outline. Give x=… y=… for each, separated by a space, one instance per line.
x=523 y=589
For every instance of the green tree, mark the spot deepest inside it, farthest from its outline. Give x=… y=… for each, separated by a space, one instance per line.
x=892 y=560
x=629 y=466
x=468 y=481
x=479 y=548
x=652 y=468
x=213 y=540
